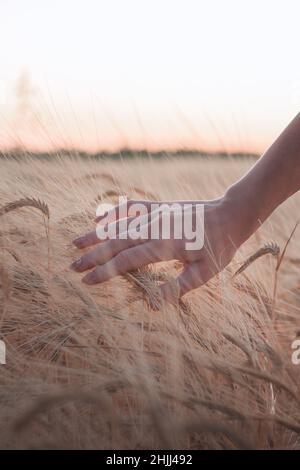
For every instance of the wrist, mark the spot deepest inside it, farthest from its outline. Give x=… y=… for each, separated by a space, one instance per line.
x=245 y=212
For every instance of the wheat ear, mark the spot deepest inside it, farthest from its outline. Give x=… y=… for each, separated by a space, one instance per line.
x=36 y=204
x=26 y=202
x=269 y=248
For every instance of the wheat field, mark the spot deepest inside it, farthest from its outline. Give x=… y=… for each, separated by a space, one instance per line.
x=95 y=367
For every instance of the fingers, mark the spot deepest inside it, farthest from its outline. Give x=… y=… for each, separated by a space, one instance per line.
x=118 y=216
x=103 y=253
x=128 y=260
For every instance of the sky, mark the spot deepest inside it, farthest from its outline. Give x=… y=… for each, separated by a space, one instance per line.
x=155 y=74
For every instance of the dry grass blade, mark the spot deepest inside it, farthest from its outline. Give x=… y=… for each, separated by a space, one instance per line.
x=271 y=379
x=142 y=192
x=242 y=346
x=279 y=261
x=216 y=427
x=96 y=175
x=191 y=401
x=286 y=422
x=98 y=398
x=112 y=192
x=109 y=193
x=6 y=288
x=286 y=245
x=26 y=202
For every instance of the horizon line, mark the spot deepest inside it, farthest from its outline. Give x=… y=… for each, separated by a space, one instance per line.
x=126 y=151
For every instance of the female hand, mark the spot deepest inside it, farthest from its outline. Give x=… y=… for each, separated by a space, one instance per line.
x=112 y=257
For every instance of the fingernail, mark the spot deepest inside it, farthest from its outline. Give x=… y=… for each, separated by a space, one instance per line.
x=89 y=278
x=76 y=264
x=78 y=241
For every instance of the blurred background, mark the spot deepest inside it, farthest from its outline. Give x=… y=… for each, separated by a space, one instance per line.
x=156 y=75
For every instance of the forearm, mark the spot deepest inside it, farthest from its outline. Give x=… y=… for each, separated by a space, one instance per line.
x=274 y=178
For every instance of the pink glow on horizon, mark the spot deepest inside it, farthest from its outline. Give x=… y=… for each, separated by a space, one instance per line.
x=166 y=74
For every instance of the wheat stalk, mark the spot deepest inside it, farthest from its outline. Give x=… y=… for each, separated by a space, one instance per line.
x=6 y=287
x=279 y=261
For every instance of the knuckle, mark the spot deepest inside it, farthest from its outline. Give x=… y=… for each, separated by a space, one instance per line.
x=122 y=259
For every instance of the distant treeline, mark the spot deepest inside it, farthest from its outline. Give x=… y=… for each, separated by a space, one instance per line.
x=124 y=153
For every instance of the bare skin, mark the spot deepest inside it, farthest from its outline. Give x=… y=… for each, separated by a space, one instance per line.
x=229 y=221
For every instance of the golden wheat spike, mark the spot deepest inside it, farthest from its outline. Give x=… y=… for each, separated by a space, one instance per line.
x=269 y=248
x=5 y=282
x=26 y=202
x=147 y=194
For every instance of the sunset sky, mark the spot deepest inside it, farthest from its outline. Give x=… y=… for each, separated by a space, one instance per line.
x=154 y=74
